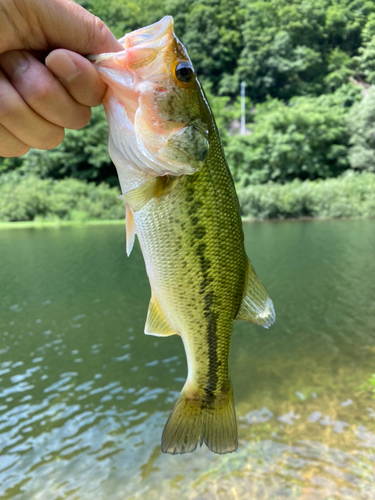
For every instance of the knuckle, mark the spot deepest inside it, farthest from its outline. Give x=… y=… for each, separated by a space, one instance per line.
x=52 y=139
x=39 y=94
x=10 y=108
x=82 y=119
x=100 y=32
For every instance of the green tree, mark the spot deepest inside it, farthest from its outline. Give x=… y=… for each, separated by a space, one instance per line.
x=211 y=32
x=123 y=16
x=305 y=139
x=288 y=45
x=361 y=125
x=297 y=58
x=364 y=63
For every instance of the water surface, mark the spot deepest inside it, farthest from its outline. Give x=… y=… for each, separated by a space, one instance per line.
x=84 y=395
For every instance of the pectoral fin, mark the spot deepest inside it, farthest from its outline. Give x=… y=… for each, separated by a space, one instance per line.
x=139 y=197
x=257 y=306
x=156 y=323
x=130 y=230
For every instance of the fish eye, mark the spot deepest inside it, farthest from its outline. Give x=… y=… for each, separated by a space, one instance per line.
x=184 y=72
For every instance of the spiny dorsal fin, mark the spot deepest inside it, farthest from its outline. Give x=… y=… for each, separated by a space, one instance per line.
x=130 y=230
x=139 y=197
x=256 y=306
x=156 y=323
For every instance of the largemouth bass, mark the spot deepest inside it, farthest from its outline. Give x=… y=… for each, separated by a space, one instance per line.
x=181 y=202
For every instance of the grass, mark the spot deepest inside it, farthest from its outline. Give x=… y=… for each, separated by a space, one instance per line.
x=351 y=196
x=28 y=201
x=58 y=223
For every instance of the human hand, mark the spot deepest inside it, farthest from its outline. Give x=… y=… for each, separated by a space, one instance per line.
x=37 y=101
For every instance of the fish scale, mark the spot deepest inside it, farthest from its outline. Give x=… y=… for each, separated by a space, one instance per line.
x=181 y=202
x=201 y=248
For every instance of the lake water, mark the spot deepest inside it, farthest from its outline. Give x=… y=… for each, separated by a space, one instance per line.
x=84 y=394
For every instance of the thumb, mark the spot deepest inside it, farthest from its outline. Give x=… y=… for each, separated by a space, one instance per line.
x=49 y=24
x=68 y=25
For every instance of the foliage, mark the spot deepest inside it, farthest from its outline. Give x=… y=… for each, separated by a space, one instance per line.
x=361 y=124
x=364 y=63
x=352 y=195
x=339 y=69
x=123 y=16
x=305 y=65
x=296 y=57
x=24 y=198
x=292 y=47
x=212 y=33
x=281 y=48
x=305 y=139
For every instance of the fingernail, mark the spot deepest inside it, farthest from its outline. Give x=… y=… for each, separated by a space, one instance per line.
x=62 y=66
x=14 y=62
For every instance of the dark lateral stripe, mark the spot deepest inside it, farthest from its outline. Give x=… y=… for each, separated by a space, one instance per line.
x=212 y=344
x=198 y=233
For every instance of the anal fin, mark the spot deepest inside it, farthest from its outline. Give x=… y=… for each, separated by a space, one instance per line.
x=256 y=306
x=156 y=323
x=130 y=230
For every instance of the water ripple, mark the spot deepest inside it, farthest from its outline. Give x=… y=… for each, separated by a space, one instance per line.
x=85 y=395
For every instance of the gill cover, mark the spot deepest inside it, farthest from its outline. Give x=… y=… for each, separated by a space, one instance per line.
x=154 y=103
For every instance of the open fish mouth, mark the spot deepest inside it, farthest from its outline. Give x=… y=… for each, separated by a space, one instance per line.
x=154 y=36
x=141 y=46
x=154 y=112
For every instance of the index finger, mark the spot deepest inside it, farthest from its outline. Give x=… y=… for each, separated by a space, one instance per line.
x=78 y=76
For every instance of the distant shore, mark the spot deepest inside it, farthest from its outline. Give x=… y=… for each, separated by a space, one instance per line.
x=58 y=223
x=98 y=222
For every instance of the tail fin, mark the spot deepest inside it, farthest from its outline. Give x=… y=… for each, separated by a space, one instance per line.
x=196 y=419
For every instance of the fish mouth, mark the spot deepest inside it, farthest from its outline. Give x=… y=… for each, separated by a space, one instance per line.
x=143 y=66
x=140 y=46
x=154 y=36
x=139 y=102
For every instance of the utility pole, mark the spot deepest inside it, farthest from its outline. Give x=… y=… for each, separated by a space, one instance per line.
x=243 y=122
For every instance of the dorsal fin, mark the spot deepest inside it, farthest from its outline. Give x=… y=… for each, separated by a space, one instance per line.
x=256 y=306
x=130 y=229
x=156 y=323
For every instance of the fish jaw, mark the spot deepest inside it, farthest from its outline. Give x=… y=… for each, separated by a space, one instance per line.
x=148 y=107
x=150 y=35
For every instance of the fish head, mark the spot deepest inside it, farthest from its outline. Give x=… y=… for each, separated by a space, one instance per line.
x=154 y=103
